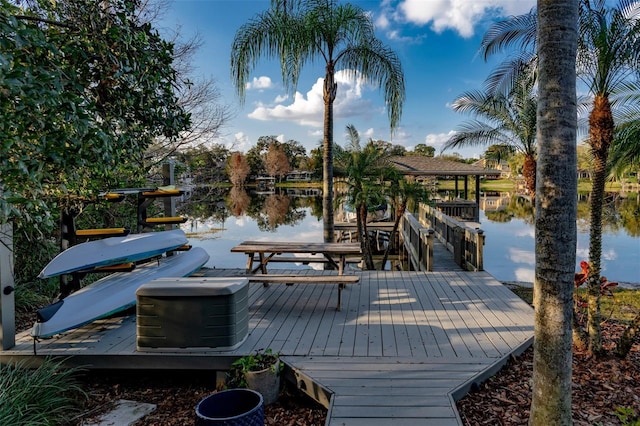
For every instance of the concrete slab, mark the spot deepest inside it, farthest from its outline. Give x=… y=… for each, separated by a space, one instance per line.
x=124 y=413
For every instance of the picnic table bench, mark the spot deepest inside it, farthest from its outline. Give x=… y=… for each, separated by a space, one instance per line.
x=263 y=252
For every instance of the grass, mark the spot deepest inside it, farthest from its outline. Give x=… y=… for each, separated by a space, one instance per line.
x=624 y=306
x=47 y=395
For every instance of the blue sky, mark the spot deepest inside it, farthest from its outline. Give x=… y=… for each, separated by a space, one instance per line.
x=437 y=42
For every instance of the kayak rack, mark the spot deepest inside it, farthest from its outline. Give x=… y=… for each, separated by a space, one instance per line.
x=145 y=197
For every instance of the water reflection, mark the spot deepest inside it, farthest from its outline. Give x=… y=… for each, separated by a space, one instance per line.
x=221 y=218
x=621 y=212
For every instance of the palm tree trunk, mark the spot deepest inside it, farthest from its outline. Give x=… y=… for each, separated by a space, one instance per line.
x=529 y=174
x=601 y=128
x=363 y=235
x=556 y=211
x=396 y=223
x=329 y=95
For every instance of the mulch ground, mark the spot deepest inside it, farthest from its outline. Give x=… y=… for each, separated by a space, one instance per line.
x=177 y=393
x=601 y=387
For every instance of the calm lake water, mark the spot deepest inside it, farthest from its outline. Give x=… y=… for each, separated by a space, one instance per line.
x=508 y=226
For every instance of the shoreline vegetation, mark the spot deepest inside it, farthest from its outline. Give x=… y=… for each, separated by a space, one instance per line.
x=584 y=185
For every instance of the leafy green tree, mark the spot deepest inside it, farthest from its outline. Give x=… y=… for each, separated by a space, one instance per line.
x=296 y=153
x=300 y=31
x=206 y=164
x=499 y=152
x=625 y=151
x=424 y=150
x=74 y=76
x=556 y=194
x=314 y=163
x=501 y=120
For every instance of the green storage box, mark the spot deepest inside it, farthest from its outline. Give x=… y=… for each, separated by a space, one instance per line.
x=187 y=314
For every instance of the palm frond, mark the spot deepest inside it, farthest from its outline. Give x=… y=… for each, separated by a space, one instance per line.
x=379 y=64
x=518 y=32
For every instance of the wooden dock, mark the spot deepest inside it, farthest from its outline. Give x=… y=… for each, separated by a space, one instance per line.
x=403 y=348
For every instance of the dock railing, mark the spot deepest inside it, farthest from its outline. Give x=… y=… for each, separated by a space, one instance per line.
x=464 y=242
x=417 y=242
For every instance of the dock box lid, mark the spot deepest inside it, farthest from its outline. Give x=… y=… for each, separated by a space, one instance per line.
x=187 y=287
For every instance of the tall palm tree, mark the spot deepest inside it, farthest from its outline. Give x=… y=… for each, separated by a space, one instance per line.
x=501 y=120
x=556 y=209
x=342 y=35
x=608 y=60
x=365 y=168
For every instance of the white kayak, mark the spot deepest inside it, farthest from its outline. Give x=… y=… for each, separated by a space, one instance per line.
x=113 y=293
x=113 y=251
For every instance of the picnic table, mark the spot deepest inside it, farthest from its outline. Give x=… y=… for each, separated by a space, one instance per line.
x=334 y=254
x=296 y=252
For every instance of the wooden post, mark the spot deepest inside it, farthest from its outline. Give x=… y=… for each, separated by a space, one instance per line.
x=7 y=286
x=168 y=178
x=456 y=187
x=466 y=187
x=480 y=251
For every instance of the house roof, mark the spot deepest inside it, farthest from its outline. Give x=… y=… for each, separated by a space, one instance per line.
x=418 y=165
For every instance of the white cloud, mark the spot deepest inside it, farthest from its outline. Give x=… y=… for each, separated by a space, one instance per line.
x=308 y=110
x=382 y=22
x=525 y=232
x=526 y=275
x=459 y=15
x=437 y=140
x=240 y=143
x=281 y=98
x=259 y=83
x=521 y=256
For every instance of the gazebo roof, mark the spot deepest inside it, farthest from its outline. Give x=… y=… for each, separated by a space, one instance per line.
x=418 y=165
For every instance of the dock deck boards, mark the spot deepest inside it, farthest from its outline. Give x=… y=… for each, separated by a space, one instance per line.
x=403 y=347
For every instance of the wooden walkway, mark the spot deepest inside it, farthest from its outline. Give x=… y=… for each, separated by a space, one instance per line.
x=405 y=346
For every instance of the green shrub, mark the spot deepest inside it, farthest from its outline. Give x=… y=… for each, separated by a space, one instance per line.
x=47 y=395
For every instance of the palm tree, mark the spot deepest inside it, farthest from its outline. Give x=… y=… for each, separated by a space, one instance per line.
x=403 y=192
x=608 y=60
x=556 y=209
x=365 y=170
x=299 y=31
x=501 y=120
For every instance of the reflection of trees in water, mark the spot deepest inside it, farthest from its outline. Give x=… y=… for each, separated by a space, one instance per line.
x=238 y=201
x=518 y=207
x=205 y=202
x=277 y=210
x=618 y=213
x=501 y=216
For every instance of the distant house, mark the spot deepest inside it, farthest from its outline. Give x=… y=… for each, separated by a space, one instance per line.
x=299 y=176
x=491 y=164
x=266 y=184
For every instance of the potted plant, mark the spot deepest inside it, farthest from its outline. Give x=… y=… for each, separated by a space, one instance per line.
x=259 y=372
